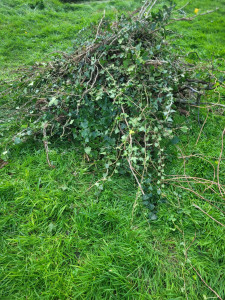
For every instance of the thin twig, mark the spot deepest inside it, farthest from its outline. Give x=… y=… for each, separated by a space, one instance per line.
x=99 y=26
x=208 y=214
x=218 y=296
x=198 y=195
x=3 y=163
x=218 y=167
x=202 y=128
x=197 y=15
x=132 y=170
x=46 y=145
x=183 y=6
x=202 y=103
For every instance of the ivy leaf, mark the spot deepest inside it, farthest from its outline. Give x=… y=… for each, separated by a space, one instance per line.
x=146 y=203
x=87 y=150
x=131 y=68
x=175 y=140
x=17 y=140
x=184 y=129
x=145 y=197
x=152 y=216
x=126 y=63
x=151 y=206
x=53 y=101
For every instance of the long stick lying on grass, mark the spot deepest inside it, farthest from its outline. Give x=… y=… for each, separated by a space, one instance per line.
x=199 y=196
x=193 y=17
x=218 y=296
x=218 y=167
x=186 y=249
x=46 y=145
x=208 y=214
x=202 y=128
x=209 y=104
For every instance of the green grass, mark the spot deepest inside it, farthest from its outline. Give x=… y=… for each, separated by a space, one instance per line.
x=206 y=33
x=60 y=241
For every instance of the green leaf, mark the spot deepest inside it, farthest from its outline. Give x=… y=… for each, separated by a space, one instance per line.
x=184 y=129
x=17 y=140
x=145 y=197
x=53 y=101
x=152 y=216
x=151 y=206
x=175 y=140
x=131 y=68
x=87 y=150
x=126 y=63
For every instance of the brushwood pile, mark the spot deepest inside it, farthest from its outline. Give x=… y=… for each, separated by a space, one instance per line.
x=115 y=95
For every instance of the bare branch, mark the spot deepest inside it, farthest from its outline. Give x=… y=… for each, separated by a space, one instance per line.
x=218 y=296
x=208 y=214
x=46 y=145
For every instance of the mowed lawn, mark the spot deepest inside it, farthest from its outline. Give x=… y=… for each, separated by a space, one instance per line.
x=59 y=239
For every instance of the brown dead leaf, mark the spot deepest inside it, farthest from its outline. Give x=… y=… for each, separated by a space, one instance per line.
x=3 y=163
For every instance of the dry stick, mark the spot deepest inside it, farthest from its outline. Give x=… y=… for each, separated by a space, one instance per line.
x=218 y=296
x=88 y=89
x=199 y=154
x=3 y=163
x=210 y=104
x=149 y=10
x=156 y=62
x=193 y=17
x=209 y=187
x=184 y=164
x=186 y=258
x=128 y=159
x=64 y=126
x=95 y=184
x=134 y=206
x=196 y=180
x=143 y=8
x=134 y=12
x=186 y=19
x=142 y=178
x=198 y=195
x=131 y=168
x=183 y=6
x=207 y=214
x=184 y=178
x=46 y=145
x=206 y=180
x=192 y=242
x=218 y=167
x=202 y=128
x=185 y=250
x=99 y=26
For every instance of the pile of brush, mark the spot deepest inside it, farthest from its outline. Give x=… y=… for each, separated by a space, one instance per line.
x=115 y=95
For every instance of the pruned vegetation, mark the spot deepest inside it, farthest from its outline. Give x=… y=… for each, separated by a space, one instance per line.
x=116 y=95
x=133 y=108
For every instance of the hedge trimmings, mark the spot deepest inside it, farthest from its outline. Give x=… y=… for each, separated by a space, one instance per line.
x=115 y=94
